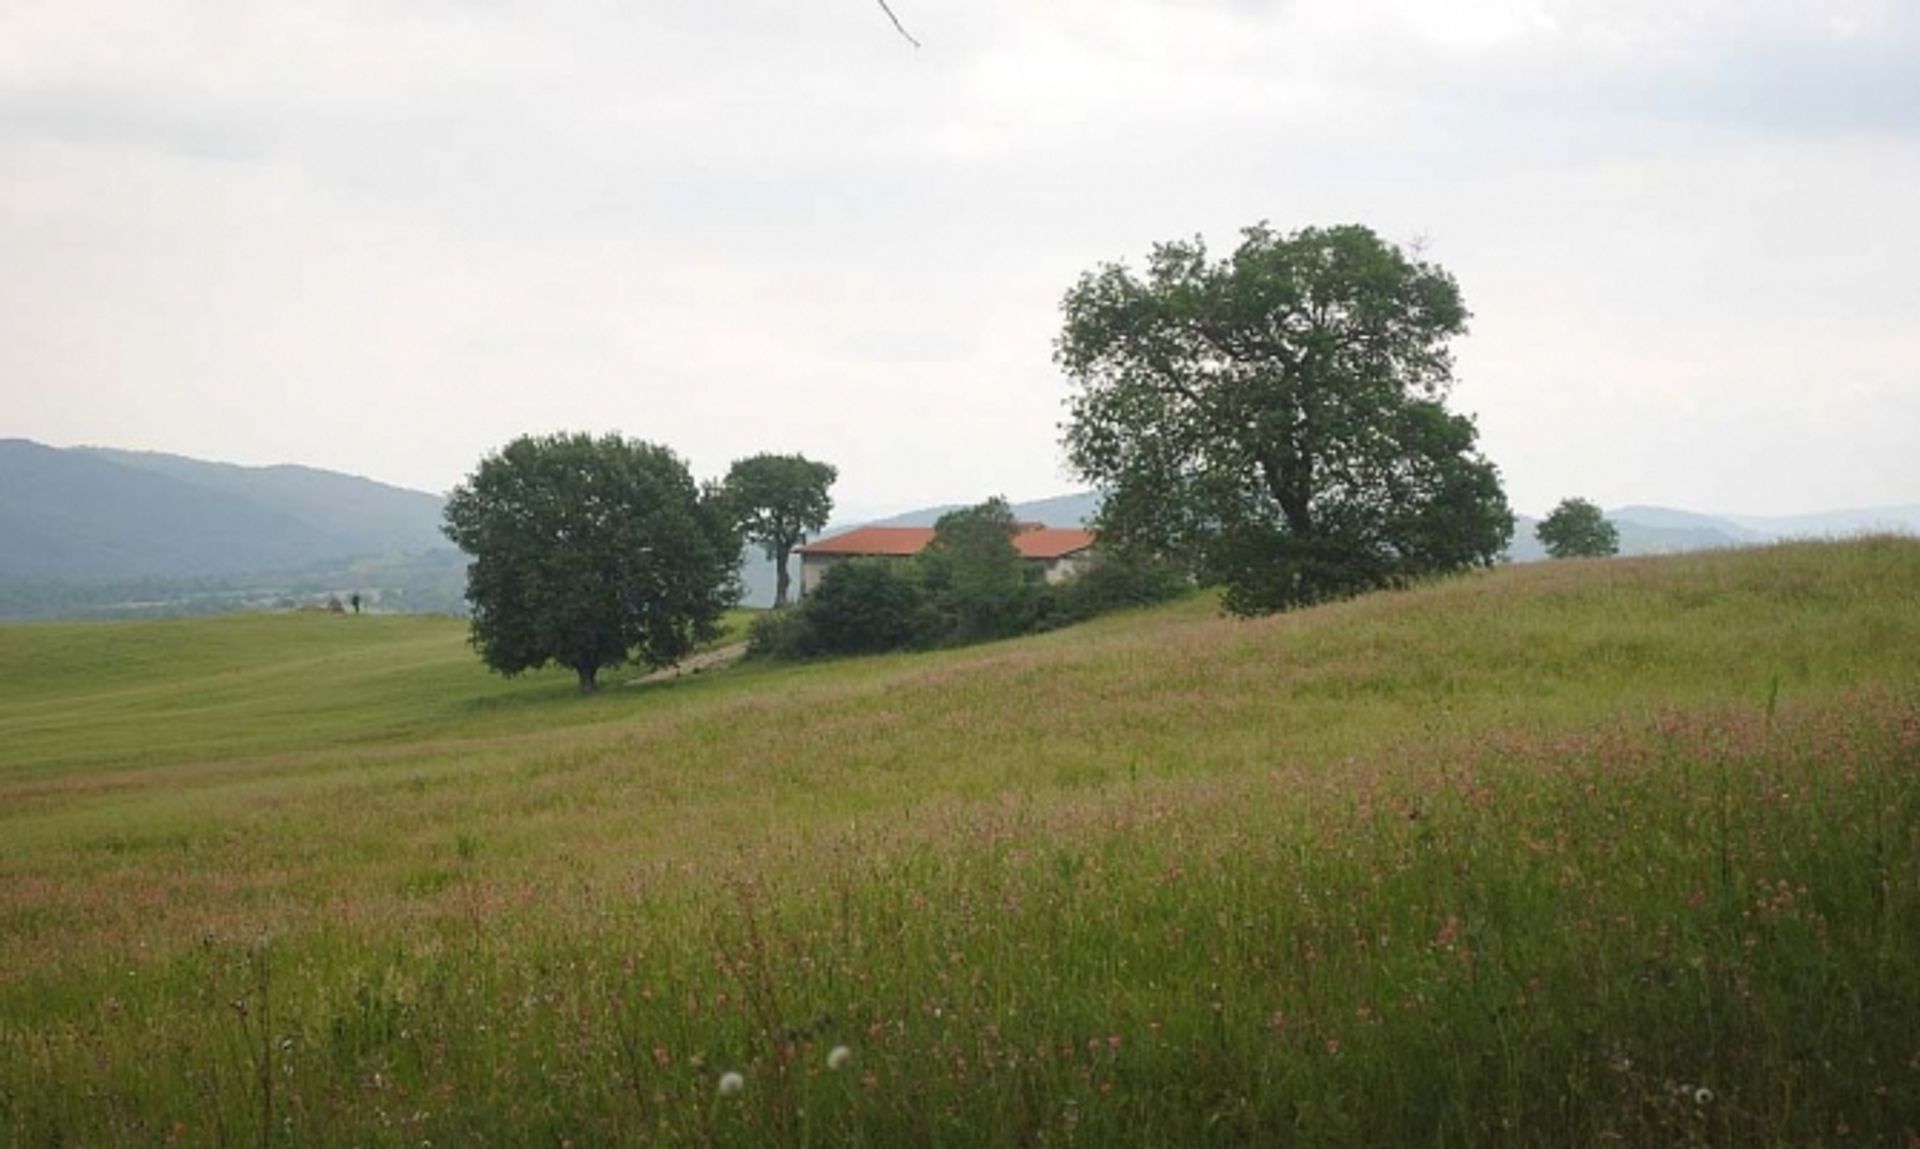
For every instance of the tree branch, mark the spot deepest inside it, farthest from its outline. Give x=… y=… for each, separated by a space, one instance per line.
x=897 y=26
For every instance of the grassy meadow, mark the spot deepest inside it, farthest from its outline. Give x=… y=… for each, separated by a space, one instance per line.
x=1584 y=853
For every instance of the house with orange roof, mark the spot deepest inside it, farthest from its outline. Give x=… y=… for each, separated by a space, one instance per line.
x=1059 y=553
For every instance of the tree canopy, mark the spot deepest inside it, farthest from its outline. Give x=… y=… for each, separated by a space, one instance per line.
x=976 y=577
x=1577 y=529
x=777 y=500
x=1275 y=419
x=591 y=552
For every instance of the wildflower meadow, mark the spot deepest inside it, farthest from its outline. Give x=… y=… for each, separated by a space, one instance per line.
x=1618 y=852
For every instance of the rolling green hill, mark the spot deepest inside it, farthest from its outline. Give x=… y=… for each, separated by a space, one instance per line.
x=1573 y=853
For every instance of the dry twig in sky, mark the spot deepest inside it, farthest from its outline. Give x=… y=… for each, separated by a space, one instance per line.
x=898 y=27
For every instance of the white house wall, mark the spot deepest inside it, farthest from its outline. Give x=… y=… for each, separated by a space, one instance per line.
x=813 y=568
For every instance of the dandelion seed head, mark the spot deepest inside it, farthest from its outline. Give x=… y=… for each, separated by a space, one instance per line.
x=731 y=1083
x=838 y=1057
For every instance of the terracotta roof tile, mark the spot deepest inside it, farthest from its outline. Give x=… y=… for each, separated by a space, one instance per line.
x=1033 y=542
x=1052 y=542
x=892 y=541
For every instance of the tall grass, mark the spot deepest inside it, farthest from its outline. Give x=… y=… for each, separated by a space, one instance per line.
x=1589 y=853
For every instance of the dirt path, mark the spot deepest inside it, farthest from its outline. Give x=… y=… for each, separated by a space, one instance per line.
x=695 y=663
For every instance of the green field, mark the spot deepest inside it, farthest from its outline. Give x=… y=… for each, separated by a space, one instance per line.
x=1585 y=853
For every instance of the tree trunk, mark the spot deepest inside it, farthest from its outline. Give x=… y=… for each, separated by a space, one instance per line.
x=1287 y=490
x=589 y=679
x=780 y=580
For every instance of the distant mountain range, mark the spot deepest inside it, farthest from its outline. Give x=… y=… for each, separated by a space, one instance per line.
x=90 y=531
x=89 y=512
x=95 y=532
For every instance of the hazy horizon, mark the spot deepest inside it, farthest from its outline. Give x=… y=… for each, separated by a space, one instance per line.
x=844 y=514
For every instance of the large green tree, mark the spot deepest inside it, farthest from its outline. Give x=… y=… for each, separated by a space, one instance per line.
x=778 y=500
x=1577 y=529
x=1276 y=418
x=591 y=552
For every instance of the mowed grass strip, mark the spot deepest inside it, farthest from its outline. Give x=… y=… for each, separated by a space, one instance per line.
x=1618 y=852
x=143 y=694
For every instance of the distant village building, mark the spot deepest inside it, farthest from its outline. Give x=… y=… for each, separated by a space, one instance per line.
x=1059 y=553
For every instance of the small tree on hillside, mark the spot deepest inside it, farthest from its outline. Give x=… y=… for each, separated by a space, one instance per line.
x=975 y=576
x=1578 y=529
x=777 y=500
x=589 y=553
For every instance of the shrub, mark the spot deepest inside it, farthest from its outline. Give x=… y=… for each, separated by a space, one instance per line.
x=780 y=634
x=866 y=606
x=1117 y=582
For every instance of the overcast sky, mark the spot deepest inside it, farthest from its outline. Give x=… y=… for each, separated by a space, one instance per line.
x=385 y=238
